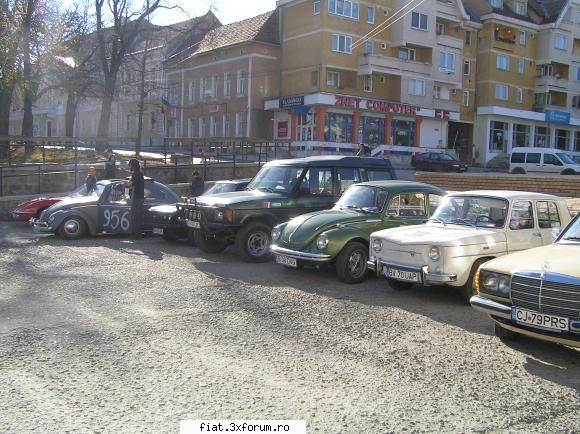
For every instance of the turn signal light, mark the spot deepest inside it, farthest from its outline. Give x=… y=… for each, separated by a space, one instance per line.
x=229 y=215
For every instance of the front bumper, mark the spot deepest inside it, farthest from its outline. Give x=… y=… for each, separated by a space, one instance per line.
x=427 y=277
x=40 y=227
x=315 y=258
x=22 y=216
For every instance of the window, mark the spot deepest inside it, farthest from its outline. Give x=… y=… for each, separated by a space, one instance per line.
x=226 y=125
x=332 y=78
x=467 y=37
x=241 y=124
x=370 y=14
x=201 y=127
x=419 y=21
x=562 y=139
x=191 y=92
x=552 y=160
x=343 y=8
x=242 y=84
x=316 y=182
x=577 y=141
x=522 y=38
x=521 y=66
x=416 y=87
x=518 y=157
x=447 y=62
x=495 y=3
x=316 y=7
x=466 y=67
x=501 y=92
x=152 y=120
x=214 y=86
x=202 y=88
x=522 y=216
x=368 y=83
x=548 y=216
x=533 y=157
x=407 y=54
x=127 y=121
x=546 y=70
x=502 y=62
x=561 y=41
x=576 y=101
x=521 y=138
x=439 y=28
x=519 y=95
x=437 y=92
x=190 y=128
x=520 y=8
x=212 y=126
x=314 y=78
x=576 y=73
x=542 y=138
x=347 y=177
x=498 y=132
x=369 y=47
x=342 y=43
x=227 y=85
x=465 y=99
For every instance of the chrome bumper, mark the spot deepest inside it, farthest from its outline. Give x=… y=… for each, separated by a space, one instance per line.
x=426 y=277
x=303 y=256
x=491 y=307
x=40 y=226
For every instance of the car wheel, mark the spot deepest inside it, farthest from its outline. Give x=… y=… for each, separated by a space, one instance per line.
x=208 y=244
x=503 y=334
x=468 y=290
x=73 y=228
x=518 y=171
x=351 y=263
x=568 y=172
x=170 y=235
x=397 y=285
x=253 y=242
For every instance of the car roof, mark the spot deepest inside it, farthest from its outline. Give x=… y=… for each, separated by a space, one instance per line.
x=403 y=185
x=507 y=194
x=333 y=161
x=233 y=181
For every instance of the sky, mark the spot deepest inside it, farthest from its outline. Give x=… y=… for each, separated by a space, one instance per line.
x=228 y=11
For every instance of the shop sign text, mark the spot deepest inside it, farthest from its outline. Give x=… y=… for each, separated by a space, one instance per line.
x=376 y=106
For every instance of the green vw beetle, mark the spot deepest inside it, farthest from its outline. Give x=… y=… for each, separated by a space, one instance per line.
x=341 y=234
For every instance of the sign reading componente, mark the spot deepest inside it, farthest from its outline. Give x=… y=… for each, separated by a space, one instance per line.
x=376 y=106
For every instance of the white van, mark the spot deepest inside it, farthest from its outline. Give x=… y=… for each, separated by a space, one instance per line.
x=544 y=160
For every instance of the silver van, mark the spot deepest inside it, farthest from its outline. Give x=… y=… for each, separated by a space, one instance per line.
x=542 y=160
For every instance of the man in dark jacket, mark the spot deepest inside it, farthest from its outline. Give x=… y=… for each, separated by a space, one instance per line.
x=197 y=184
x=110 y=168
x=137 y=185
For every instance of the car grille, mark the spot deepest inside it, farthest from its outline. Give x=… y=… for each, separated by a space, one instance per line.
x=546 y=296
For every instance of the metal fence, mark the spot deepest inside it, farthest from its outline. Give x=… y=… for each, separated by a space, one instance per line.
x=55 y=164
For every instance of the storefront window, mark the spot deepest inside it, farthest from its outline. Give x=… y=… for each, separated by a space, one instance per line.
x=542 y=137
x=562 y=139
x=372 y=130
x=521 y=135
x=338 y=128
x=306 y=126
x=577 y=142
x=403 y=133
x=498 y=136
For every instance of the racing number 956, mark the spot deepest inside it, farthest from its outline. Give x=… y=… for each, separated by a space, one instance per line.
x=114 y=219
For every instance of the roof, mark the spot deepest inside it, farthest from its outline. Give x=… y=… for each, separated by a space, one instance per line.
x=507 y=194
x=404 y=185
x=334 y=161
x=549 y=10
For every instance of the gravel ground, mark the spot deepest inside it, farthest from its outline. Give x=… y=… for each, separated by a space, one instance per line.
x=112 y=335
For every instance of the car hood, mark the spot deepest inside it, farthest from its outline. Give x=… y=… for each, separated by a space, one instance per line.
x=163 y=209
x=437 y=234
x=72 y=202
x=39 y=200
x=302 y=230
x=556 y=258
x=251 y=199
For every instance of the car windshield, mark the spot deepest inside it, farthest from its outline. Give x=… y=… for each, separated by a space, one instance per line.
x=572 y=233
x=278 y=179
x=447 y=157
x=477 y=211
x=565 y=158
x=362 y=197
x=220 y=187
x=82 y=191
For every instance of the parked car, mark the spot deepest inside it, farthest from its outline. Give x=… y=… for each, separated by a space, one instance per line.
x=466 y=230
x=167 y=221
x=542 y=160
x=106 y=210
x=282 y=189
x=341 y=235
x=535 y=292
x=437 y=162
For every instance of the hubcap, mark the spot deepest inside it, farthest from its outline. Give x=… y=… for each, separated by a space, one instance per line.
x=71 y=227
x=257 y=243
x=356 y=263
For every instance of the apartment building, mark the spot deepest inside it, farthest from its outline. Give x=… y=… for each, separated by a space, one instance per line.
x=383 y=72
x=216 y=88
x=528 y=84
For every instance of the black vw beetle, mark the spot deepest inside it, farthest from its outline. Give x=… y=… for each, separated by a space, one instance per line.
x=104 y=210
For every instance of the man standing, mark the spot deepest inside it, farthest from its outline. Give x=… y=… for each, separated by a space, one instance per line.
x=137 y=185
x=197 y=184
x=110 y=168
x=91 y=180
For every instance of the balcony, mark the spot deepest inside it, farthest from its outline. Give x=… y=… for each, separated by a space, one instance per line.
x=446 y=104
x=369 y=64
x=543 y=83
x=450 y=41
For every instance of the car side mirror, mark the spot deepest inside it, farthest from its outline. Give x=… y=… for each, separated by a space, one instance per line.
x=556 y=232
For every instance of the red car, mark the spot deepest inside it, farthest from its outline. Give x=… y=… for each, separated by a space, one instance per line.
x=33 y=207
x=437 y=162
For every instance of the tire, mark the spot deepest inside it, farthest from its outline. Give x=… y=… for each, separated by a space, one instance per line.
x=169 y=235
x=72 y=228
x=208 y=244
x=503 y=334
x=253 y=242
x=397 y=285
x=518 y=171
x=351 y=263
x=568 y=172
x=468 y=290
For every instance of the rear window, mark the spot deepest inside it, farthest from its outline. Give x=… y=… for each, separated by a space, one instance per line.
x=533 y=157
x=518 y=157
x=377 y=174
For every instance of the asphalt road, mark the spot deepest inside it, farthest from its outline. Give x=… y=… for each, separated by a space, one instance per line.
x=111 y=335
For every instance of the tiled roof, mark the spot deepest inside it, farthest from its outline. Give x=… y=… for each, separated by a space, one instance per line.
x=261 y=28
x=549 y=10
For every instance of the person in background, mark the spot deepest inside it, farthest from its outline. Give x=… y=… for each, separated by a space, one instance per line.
x=363 y=150
x=137 y=186
x=197 y=184
x=91 y=180
x=110 y=168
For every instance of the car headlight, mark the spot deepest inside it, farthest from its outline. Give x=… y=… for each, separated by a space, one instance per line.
x=275 y=234
x=322 y=242
x=434 y=253
x=219 y=215
x=377 y=245
x=494 y=283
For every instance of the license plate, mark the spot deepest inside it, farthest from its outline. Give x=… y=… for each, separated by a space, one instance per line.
x=158 y=231
x=285 y=260
x=404 y=275
x=192 y=224
x=541 y=320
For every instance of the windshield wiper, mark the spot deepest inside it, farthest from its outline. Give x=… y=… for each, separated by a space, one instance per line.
x=437 y=220
x=571 y=238
x=268 y=189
